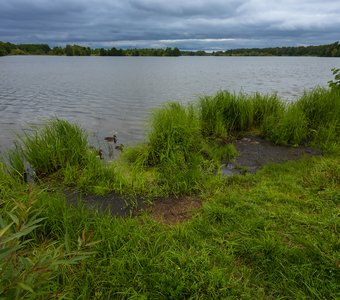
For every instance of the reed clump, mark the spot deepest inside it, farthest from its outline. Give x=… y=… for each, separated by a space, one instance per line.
x=58 y=144
x=224 y=113
x=174 y=135
x=322 y=110
x=176 y=150
x=311 y=120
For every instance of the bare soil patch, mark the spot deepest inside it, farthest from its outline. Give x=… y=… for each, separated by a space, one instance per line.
x=174 y=210
x=169 y=210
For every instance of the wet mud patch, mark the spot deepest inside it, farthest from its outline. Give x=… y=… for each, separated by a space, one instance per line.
x=171 y=211
x=168 y=210
x=113 y=204
x=255 y=152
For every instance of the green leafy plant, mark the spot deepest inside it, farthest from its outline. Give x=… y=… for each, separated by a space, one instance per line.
x=336 y=82
x=27 y=268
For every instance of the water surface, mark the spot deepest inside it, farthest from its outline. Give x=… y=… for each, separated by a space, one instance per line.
x=103 y=94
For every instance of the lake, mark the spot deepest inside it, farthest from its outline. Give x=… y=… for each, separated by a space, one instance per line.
x=105 y=94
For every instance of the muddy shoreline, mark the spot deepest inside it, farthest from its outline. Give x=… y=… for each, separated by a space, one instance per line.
x=254 y=153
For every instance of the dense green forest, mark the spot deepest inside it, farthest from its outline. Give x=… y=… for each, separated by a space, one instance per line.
x=330 y=50
x=76 y=50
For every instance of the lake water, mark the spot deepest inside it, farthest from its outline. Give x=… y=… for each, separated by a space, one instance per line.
x=105 y=94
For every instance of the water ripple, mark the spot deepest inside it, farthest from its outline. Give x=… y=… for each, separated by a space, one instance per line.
x=110 y=93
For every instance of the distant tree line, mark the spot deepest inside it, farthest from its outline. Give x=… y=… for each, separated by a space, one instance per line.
x=76 y=50
x=330 y=50
x=22 y=49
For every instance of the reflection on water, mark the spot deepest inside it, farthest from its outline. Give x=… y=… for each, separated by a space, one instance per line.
x=103 y=94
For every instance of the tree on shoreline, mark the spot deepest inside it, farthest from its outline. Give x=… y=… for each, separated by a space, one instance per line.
x=330 y=50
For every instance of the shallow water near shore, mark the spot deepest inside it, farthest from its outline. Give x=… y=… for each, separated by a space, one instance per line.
x=106 y=94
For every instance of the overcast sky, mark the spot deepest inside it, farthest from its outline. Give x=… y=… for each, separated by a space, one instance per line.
x=187 y=24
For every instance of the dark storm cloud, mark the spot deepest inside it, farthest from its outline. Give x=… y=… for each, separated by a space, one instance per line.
x=187 y=24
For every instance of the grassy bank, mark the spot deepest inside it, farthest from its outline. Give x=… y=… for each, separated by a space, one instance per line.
x=274 y=234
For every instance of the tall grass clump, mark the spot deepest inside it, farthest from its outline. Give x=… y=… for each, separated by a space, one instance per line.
x=174 y=149
x=314 y=119
x=212 y=119
x=322 y=110
x=58 y=144
x=224 y=113
x=17 y=162
x=266 y=106
x=175 y=134
x=288 y=128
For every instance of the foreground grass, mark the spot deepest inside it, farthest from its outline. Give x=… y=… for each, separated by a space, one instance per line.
x=270 y=235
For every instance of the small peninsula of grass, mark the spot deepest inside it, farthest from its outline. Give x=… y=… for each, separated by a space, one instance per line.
x=269 y=235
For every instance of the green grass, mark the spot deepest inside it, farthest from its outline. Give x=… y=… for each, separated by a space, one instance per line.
x=322 y=110
x=272 y=235
x=313 y=119
x=29 y=262
x=57 y=145
x=184 y=145
x=289 y=128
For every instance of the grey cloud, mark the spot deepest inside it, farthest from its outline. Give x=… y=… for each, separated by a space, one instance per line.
x=187 y=24
x=187 y=9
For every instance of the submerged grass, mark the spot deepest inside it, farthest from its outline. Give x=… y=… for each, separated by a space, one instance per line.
x=271 y=235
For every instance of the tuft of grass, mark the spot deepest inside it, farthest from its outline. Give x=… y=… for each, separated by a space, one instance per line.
x=313 y=119
x=225 y=113
x=289 y=128
x=322 y=110
x=266 y=106
x=175 y=134
x=220 y=152
x=58 y=144
x=173 y=150
x=211 y=118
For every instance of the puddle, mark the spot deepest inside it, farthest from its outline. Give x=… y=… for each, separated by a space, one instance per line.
x=230 y=169
x=255 y=152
